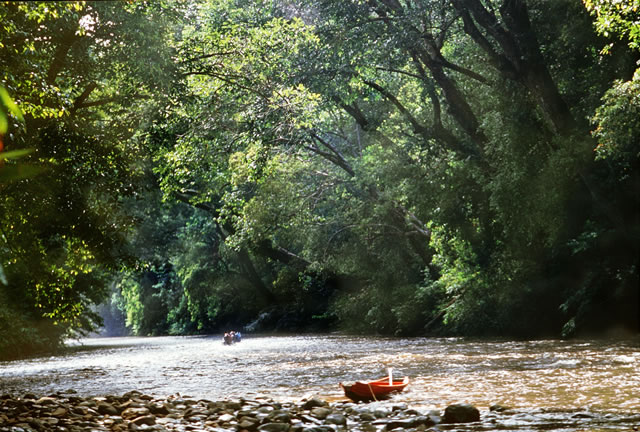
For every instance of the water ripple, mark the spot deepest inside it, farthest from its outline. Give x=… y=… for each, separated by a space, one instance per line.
x=598 y=376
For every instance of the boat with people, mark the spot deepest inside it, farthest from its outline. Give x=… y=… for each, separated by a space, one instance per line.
x=231 y=337
x=379 y=389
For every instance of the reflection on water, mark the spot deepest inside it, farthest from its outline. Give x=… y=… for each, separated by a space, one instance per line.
x=597 y=376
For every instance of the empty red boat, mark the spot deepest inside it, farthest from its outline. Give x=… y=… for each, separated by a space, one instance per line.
x=374 y=390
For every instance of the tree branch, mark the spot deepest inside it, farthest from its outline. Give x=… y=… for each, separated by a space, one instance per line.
x=206 y=56
x=417 y=127
x=83 y=96
x=498 y=61
x=279 y=253
x=185 y=198
x=59 y=58
x=335 y=156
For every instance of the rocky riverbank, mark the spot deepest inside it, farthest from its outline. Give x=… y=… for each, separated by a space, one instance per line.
x=135 y=411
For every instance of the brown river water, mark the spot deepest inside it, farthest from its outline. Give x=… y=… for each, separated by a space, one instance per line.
x=549 y=384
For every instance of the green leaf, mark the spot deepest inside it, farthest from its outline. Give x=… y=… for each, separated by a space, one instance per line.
x=14 y=154
x=3 y=278
x=4 y=124
x=9 y=103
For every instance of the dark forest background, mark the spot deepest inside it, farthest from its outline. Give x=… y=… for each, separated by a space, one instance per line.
x=397 y=167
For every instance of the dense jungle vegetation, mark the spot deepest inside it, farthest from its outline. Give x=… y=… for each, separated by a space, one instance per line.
x=399 y=167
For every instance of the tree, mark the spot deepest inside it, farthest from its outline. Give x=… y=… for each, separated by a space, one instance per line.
x=402 y=166
x=612 y=284
x=70 y=69
x=337 y=137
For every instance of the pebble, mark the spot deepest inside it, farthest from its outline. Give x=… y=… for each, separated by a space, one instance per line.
x=337 y=419
x=135 y=411
x=320 y=412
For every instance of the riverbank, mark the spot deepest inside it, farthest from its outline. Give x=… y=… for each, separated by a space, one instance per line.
x=136 y=411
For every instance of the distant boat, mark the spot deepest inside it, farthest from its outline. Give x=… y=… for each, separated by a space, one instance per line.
x=231 y=337
x=374 y=390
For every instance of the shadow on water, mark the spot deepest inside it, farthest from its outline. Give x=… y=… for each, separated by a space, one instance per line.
x=78 y=349
x=75 y=346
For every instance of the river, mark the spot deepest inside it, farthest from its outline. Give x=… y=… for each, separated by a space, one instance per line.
x=550 y=384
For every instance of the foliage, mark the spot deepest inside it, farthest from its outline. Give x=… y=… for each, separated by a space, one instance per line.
x=617 y=18
x=79 y=93
x=391 y=150
x=396 y=167
x=612 y=274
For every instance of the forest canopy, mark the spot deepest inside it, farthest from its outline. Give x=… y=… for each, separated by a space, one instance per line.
x=397 y=167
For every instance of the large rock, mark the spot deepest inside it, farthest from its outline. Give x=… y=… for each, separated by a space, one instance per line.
x=309 y=419
x=279 y=416
x=313 y=403
x=148 y=420
x=226 y=418
x=367 y=416
x=158 y=408
x=405 y=423
x=130 y=413
x=233 y=405
x=336 y=419
x=274 y=427
x=381 y=413
x=318 y=429
x=248 y=423
x=461 y=413
x=59 y=412
x=320 y=412
x=106 y=408
x=47 y=400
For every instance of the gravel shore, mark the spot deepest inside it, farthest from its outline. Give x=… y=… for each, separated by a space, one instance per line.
x=135 y=411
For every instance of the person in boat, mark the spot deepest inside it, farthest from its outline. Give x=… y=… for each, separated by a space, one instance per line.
x=237 y=336
x=228 y=338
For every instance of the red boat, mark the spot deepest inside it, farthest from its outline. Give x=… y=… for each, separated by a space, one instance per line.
x=374 y=390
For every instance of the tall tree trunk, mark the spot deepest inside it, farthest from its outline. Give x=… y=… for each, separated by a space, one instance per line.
x=251 y=274
x=520 y=58
x=249 y=271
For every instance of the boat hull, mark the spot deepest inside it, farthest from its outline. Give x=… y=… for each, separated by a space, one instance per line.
x=374 y=390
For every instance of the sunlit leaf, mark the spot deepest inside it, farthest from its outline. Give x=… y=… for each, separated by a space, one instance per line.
x=14 y=154
x=4 y=123
x=3 y=277
x=10 y=104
